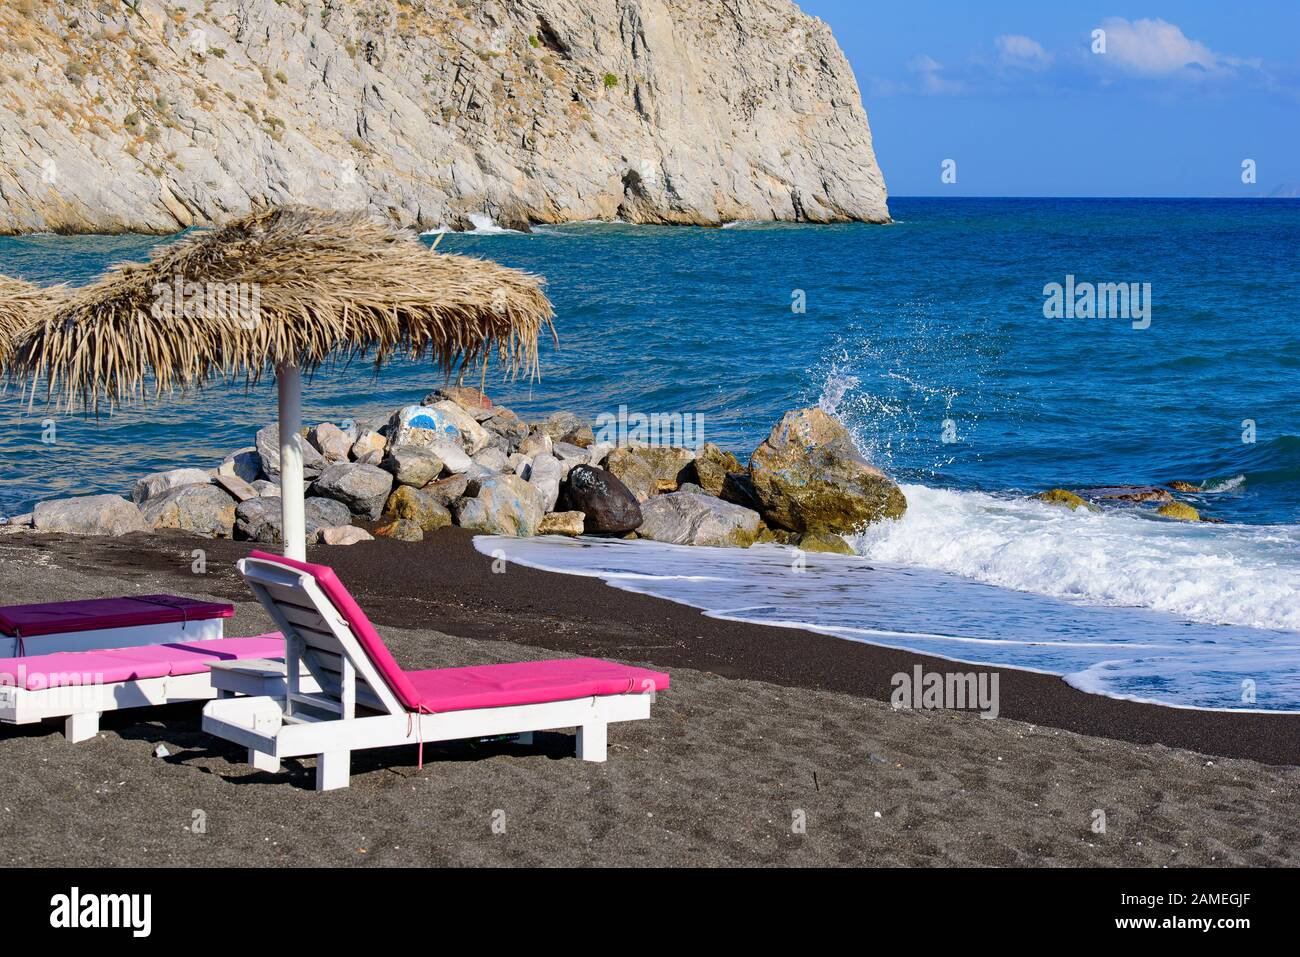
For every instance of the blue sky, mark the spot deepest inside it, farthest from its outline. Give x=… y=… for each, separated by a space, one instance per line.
x=1014 y=94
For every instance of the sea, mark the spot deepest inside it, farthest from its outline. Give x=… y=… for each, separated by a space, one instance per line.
x=959 y=347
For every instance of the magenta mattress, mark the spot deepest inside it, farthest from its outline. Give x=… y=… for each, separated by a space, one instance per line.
x=53 y=618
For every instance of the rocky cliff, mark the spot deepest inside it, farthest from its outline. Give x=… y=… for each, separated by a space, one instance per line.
x=144 y=115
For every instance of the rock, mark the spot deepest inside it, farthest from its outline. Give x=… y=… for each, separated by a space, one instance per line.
x=766 y=124
x=416 y=506
x=569 y=455
x=259 y=519
x=1180 y=511
x=507 y=429
x=465 y=397
x=160 y=751
x=266 y=489
x=89 y=515
x=682 y=518
x=331 y=441
x=609 y=505
x=712 y=466
x=567 y=427
x=368 y=441
x=411 y=465
x=454 y=458
x=598 y=453
x=1129 y=493
x=375 y=457
x=809 y=477
x=201 y=509
x=519 y=464
x=243 y=463
x=776 y=536
x=160 y=482
x=823 y=542
x=362 y=488
x=1060 y=496
x=268 y=449
x=443 y=422
x=403 y=530
x=475 y=477
x=738 y=488
x=562 y=523
x=1178 y=485
x=505 y=505
x=445 y=491
x=241 y=491
x=492 y=458
x=535 y=444
x=343 y=535
x=545 y=476
x=649 y=470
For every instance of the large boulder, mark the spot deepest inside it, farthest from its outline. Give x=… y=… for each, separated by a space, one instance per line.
x=331 y=441
x=343 y=535
x=567 y=427
x=808 y=477
x=368 y=442
x=89 y=515
x=1180 y=511
x=162 y=482
x=268 y=449
x=244 y=463
x=571 y=524
x=411 y=504
x=411 y=465
x=608 y=504
x=686 y=518
x=240 y=490
x=401 y=530
x=362 y=488
x=258 y=519
x=505 y=505
x=1129 y=493
x=649 y=470
x=545 y=475
x=201 y=509
x=468 y=398
x=447 y=490
x=712 y=466
x=445 y=421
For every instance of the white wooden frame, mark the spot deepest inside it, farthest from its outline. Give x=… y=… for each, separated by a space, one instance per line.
x=351 y=707
x=131 y=636
x=82 y=705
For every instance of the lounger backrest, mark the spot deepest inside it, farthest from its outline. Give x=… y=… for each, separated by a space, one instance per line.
x=326 y=630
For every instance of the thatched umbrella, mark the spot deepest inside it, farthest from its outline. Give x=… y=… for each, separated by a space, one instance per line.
x=285 y=289
x=22 y=306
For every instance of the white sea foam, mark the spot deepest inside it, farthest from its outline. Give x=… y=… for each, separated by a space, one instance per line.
x=1219 y=574
x=1035 y=587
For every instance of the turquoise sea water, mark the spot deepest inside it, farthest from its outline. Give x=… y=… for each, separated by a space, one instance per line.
x=928 y=338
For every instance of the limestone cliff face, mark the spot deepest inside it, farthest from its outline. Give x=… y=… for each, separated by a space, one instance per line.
x=141 y=115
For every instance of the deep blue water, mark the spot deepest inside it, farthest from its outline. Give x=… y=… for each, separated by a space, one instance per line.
x=929 y=328
x=937 y=317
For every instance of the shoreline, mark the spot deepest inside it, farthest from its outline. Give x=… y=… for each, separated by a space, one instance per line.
x=444 y=582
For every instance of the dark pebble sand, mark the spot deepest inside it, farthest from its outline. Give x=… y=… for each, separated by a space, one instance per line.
x=763 y=728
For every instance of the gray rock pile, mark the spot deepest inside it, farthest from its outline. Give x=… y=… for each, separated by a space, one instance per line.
x=458 y=459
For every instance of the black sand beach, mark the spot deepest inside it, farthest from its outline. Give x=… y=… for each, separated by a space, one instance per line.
x=762 y=727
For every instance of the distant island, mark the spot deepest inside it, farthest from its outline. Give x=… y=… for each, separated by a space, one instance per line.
x=139 y=116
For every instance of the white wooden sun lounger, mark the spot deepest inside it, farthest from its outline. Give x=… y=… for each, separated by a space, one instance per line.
x=361 y=699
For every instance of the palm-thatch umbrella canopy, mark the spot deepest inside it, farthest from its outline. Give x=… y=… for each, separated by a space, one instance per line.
x=22 y=306
x=286 y=289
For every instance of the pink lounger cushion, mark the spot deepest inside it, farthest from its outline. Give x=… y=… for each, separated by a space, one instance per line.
x=114 y=665
x=529 y=682
x=134 y=611
x=487 y=686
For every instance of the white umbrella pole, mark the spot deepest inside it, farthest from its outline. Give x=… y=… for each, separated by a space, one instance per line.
x=292 y=518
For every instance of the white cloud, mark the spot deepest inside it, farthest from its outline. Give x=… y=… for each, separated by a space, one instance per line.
x=930 y=76
x=1021 y=51
x=1155 y=48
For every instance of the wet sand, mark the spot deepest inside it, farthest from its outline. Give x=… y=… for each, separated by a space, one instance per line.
x=763 y=728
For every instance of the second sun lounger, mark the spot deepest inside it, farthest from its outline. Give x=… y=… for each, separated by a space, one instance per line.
x=362 y=699
x=79 y=686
